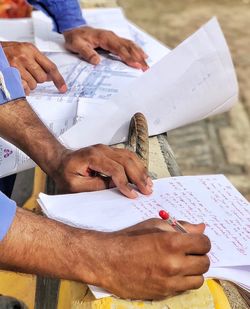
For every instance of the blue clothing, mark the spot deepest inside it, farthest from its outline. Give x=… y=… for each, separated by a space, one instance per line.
x=66 y=14
x=7 y=214
x=10 y=89
x=10 y=81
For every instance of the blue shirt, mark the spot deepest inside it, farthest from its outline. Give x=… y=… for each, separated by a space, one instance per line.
x=7 y=214
x=66 y=14
x=10 y=81
x=10 y=89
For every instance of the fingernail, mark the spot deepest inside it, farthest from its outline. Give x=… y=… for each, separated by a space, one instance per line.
x=149 y=189
x=64 y=88
x=150 y=182
x=95 y=60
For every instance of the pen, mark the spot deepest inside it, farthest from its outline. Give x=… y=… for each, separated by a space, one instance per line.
x=172 y=221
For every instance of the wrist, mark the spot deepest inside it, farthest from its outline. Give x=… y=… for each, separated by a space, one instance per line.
x=89 y=257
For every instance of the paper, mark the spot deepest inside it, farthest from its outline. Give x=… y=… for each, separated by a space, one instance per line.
x=87 y=81
x=109 y=19
x=193 y=81
x=211 y=199
x=58 y=114
x=20 y=30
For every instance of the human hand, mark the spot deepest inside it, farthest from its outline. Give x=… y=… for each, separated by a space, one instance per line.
x=151 y=261
x=77 y=171
x=33 y=66
x=84 y=40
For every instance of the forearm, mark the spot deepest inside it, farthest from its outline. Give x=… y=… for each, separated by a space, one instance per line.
x=21 y=126
x=38 y=245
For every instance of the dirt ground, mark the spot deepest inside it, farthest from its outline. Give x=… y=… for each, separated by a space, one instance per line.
x=220 y=144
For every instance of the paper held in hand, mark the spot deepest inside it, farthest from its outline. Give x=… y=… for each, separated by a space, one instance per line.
x=211 y=199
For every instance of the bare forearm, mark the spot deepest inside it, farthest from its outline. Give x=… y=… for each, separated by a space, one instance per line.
x=37 y=245
x=21 y=126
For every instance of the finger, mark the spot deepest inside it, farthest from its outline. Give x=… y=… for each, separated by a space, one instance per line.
x=87 y=184
x=193 y=228
x=25 y=87
x=37 y=72
x=116 y=171
x=122 y=47
x=51 y=69
x=194 y=243
x=182 y=284
x=134 y=168
x=195 y=265
x=137 y=55
x=89 y=54
x=26 y=76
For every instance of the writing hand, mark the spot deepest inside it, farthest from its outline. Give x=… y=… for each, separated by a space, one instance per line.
x=152 y=261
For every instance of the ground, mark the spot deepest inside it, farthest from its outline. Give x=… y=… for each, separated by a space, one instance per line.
x=220 y=144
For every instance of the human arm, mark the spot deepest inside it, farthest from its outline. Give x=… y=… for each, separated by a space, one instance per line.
x=72 y=171
x=147 y=261
x=83 y=40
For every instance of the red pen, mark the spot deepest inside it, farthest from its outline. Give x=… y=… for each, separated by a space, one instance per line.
x=172 y=221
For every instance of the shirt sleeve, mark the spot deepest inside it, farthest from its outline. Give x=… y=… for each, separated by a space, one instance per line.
x=7 y=214
x=10 y=81
x=66 y=14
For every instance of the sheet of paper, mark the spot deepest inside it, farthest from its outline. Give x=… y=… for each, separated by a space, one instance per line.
x=195 y=80
x=19 y=29
x=57 y=113
x=87 y=81
x=211 y=199
x=104 y=18
x=151 y=46
x=12 y=159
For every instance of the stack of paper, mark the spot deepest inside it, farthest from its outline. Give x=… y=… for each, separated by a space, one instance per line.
x=191 y=82
x=210 y=199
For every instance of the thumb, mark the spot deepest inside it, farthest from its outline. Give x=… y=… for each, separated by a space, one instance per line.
x=193 y=228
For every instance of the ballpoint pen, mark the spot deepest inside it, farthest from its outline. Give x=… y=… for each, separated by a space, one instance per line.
x=172 y=221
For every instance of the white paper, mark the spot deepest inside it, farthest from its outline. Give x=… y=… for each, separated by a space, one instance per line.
x=19 y=29
x=58 y=114
x=104 y=18
x=210 y=199
x=87 y=81
x=193 y=81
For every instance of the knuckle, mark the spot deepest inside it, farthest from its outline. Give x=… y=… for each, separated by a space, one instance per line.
x=173 y=267
x=52 y=68
x=174 y=242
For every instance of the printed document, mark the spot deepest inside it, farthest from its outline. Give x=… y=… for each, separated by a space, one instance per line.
x=211 y=199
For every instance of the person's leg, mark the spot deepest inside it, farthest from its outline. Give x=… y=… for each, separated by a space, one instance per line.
x=7 y=184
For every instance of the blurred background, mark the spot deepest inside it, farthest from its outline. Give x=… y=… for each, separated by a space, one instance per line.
x=220 y=144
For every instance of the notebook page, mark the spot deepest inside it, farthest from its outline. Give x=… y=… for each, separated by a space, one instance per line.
x=210 y=199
